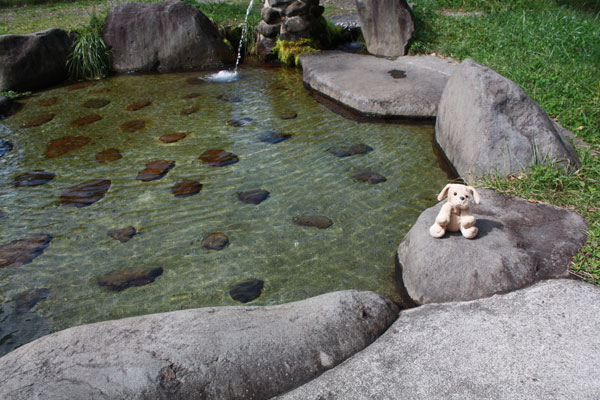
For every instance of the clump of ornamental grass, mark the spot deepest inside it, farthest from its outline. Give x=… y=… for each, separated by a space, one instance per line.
x=89 y=57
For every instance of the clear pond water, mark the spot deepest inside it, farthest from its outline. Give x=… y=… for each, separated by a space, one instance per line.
x=301 y=174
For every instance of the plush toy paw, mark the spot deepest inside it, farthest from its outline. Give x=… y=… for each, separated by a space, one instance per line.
x=437 y=231
x=469 y=233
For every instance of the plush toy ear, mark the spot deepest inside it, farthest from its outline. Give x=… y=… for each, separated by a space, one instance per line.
x=444 y=192
x=474 y=193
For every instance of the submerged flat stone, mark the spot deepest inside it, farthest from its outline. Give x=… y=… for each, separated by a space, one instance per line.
x=86 y=193
x=363 y=83
x=245 y=292
x=122 y=279
x=100 y=90
x=173 y=137
x=215 y=241
x=122 y=234
x=274 y=137
x=134 y=126
x=48 y=101
x=238 y=122
x=26 y=300
x=96 y=103
x=196 y=80
x=108 y=155
x=138 y=105
x=23 y=251
x=33 y=178
x=5 y=146
x=186 y=188
x=88 y=119
x=65 y=144
x=230 y=98
x=39 y=120
x=190 y=110
x=359 y=148
x=372 y=177
x=155 y=170
x=289 y=115
x=80 y=85
x=192 y=95
x=218 y=158
x=316 y=221
x=255 y=196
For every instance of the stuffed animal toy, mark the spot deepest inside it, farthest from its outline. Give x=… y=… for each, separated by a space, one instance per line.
x=455 y=215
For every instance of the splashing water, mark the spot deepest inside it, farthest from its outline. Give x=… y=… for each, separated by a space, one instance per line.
x=223 y=76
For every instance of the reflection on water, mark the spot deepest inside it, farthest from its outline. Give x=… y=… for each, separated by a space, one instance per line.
x=310 y=168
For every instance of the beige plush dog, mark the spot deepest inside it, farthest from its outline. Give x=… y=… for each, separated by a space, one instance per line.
x=455 y=214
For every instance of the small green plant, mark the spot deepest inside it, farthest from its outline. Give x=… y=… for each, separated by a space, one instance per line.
x=289 y=53
x=11 y=94
x=89 y=57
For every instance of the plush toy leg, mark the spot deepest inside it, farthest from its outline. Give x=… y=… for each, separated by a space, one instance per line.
x=467 y=226
x=437 y=231
x=469 y=233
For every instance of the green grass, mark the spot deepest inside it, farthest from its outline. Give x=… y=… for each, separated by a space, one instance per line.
x=89 y=57
x=552 y=50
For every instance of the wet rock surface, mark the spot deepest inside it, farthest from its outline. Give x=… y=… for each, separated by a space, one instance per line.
x=155 y=170
x=122 y=279
x=215 y=241
x=26 y=300
x=173 y=137
x=218 y=158
x=88 y=119
x=138 y=105
x=33 y=178
x=96 y=103
x=23 y=251
x=8 y=107
x=245 y=292
x=255 y=196
x=39 y=120
x=48 y=101
x=108 y=155
x=123 y=235
x=133 y=126
x=66 y=144
x=5 y=147
x=186 y=188
x=274 y=137
x=359 y=148
x=316 y=221
x=372 y=177
x=86 y=193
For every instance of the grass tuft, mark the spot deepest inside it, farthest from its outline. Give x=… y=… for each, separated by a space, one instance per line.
x=89 y=57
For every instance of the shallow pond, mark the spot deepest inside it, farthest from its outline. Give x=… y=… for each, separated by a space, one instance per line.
x=310 y=173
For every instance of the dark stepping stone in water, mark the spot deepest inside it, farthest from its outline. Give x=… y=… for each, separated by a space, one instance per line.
x=39 y=120
x=88 y=119
x=190 y=110
x=26 y=300
x=196 y=81
x=5 y=146
x=363 y=175
x=316 y=221
x=255 y=196
x=274 y=137
x=122 y=279
x=138 y=105
x=33 y=178
x=186 y=188
x=81 y=85
x=238 y=122
x=133 y=126
x=247 y=291
x=23 y=251
x=100 y=90
x=229 y=98
x=218 y=158
x=155 y=170
x=86 y=193
x=108 y=155
x=48 y=101
x=96 y=103
x=3 y=214
x=215 y=241
x=122 y=234
x=172 y=137
x=289 y=115
x=58 y=147
x=191 y=95
x=359 y=148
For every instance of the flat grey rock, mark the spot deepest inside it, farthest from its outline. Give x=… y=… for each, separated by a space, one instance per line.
x=519 y=243
x=538 y=343
x=207 y=353
x=487 y=124
x=407 y=87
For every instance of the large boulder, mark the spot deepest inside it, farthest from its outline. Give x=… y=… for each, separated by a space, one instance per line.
x=209 y=353
x=519 y=243
x=387 y=26
x=34 y=61
x=164 y=37
x=537 y=343
x=487 y=124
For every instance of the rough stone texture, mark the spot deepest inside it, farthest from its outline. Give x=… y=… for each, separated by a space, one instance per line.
x=215 y=241
x=166 y=36
x=387 y=26
x=34 y=61
x=538 y=343
x=364 y=83
x=518 y=243
x=487 y=124
x=212 y=353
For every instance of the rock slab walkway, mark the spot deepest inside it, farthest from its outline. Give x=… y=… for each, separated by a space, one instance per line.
x=537 y=343
x=407 y=87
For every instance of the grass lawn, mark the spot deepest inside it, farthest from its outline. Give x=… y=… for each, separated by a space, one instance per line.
x=551 y=48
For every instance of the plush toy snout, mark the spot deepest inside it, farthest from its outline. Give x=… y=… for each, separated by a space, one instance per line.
x=455 y=215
